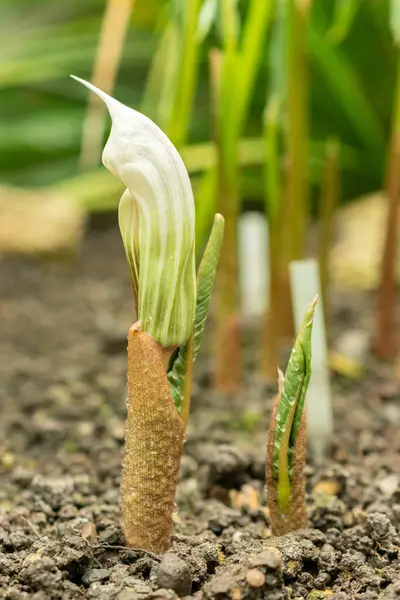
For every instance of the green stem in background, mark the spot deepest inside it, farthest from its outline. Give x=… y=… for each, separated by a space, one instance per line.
x=287 y=205
x=159 y=92
x=297 y=122
x=386 y=338
x=206 y=196
x=227 y=341
x=286 y=448
x=114 y=27
x=330 y=191
x=233 y=73
x=344 y=14
x=272 y=327
x=223 y=71
x=272 y=160
x=255 y=28
x=186 y=81
x=171 y=84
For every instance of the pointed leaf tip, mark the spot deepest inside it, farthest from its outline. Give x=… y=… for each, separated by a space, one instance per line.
x=108 y=100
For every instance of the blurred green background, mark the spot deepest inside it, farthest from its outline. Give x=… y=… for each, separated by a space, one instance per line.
x=352 y=68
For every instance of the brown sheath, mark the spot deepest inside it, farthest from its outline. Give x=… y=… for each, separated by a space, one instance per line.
x=227 y=355
x=153 y=448
x=296 y=517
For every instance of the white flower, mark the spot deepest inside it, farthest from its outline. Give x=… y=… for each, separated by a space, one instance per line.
x=156 y=219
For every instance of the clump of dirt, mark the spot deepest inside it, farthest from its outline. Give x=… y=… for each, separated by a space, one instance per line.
x=62 y=410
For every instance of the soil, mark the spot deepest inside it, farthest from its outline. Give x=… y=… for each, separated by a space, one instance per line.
x=62 y=390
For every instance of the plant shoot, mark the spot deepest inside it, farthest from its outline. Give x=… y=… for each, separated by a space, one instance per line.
x=286 y=447
x=157 y=223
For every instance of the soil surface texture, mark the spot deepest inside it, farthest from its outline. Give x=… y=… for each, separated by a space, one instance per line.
x=62 y=412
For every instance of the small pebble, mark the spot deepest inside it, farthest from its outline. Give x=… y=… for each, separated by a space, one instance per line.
x=53 y=491
x=255 y=578
x=93 y=575
x=388 y=485
x=322 y=580
x=270 y=558
x=378 y=526
x=174 y=574
x=89 y=532
x=22 y=476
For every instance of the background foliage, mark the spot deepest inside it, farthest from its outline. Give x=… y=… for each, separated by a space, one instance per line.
x=352 y=74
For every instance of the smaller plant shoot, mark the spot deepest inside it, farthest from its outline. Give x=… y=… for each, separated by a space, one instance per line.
x=286 y=446
x=156 y=219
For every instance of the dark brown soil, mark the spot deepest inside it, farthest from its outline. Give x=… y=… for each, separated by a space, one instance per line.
x=62 y=389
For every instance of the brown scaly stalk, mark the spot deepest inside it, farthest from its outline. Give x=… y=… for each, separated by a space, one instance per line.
x=159 y=389
x=153 y=447
x=296 y=517
x=287 y=437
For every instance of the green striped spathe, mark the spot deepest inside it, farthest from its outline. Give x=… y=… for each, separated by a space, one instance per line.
x=156 y=219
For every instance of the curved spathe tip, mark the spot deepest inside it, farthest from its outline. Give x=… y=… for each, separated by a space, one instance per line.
x=111 y=103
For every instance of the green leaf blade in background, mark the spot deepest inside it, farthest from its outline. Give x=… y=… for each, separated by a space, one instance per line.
x=346 y=90
x=43 y=42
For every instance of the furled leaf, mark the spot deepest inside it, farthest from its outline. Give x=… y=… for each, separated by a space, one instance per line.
x=291 y=398
x=205 y=282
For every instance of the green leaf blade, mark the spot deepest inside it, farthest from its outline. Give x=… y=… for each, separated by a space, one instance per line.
x=205 y=282
x=291 y=399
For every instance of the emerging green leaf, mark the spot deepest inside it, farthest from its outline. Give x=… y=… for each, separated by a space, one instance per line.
x=205 y=282
x=156 y=218
x=291 y=398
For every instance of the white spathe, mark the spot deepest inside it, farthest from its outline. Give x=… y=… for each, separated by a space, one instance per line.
x=157 y=221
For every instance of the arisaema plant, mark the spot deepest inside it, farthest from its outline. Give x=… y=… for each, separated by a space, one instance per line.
x=286 y=447
x=157 y=223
